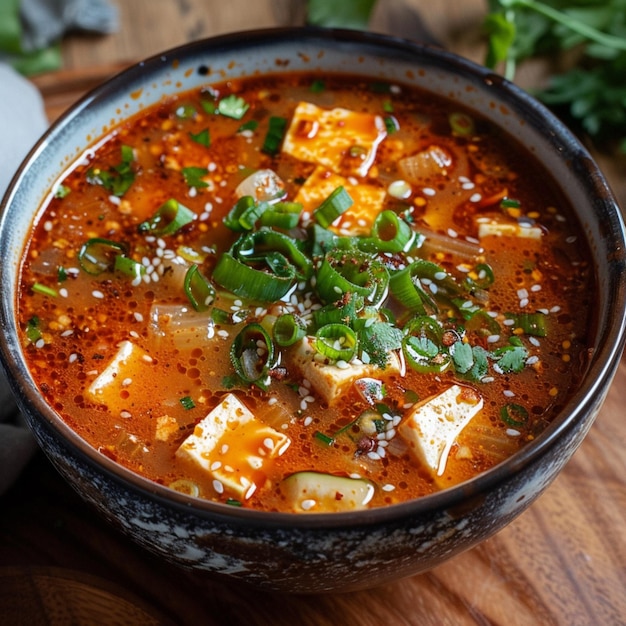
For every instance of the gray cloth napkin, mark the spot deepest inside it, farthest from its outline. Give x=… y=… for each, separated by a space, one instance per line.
x=22 y=104
x=22 y=109
x=46 y=21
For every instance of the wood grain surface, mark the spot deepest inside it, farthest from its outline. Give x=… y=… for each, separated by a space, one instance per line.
x=562 y=562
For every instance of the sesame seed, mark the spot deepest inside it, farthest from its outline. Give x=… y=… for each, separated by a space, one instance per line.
x=476 y=197
x=428 y=191
x=308 y=420
x=216 y=465
x=97 y=294
x=72 y=357
x=125 y=414
x=388 y=487
x=218 y=486
x=308 y=504
x=138 y=316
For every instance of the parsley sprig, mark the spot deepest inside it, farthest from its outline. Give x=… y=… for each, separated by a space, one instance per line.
x=592 y=93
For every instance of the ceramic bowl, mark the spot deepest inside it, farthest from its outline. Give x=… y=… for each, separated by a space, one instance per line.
x=340 y=551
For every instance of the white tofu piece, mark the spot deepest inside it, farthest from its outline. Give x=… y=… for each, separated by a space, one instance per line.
x=327 y=379
x=434 y=425
x=130 y=363
x=501 y=229
x=358 y=219
x=233 y=447
x=326 y=136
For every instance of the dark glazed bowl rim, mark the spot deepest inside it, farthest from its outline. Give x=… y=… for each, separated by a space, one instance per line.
x=601 y=369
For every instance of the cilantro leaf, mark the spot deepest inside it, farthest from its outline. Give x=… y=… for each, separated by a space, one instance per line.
x=511 y=358
x=193 y=176
x=378 y=339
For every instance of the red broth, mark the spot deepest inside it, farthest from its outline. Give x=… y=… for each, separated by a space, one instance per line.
x=443 y=294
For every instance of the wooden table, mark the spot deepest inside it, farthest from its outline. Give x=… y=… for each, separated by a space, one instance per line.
x=561 y=562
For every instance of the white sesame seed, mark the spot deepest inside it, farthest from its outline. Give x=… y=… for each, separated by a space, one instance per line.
x=428 y=191
x=126 y=382
x=216 y=465
x=508 y=393
x=388 y=487
x=97 y=294
x=476 y=197
x=308 y=504
x=269 y=443
x=125 y=414
x=308 y=420
x=531 y=360
x=138 y=316
x=218 y=486
x=72 y=357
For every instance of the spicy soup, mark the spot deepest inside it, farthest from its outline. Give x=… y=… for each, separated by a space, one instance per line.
x=306 y=294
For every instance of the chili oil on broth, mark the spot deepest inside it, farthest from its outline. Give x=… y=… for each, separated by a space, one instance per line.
x=454 y=182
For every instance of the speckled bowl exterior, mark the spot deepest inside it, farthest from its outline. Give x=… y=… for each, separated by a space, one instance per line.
x=319 y=552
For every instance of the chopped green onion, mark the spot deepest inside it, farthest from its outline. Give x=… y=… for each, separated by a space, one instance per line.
x=194 y=176
x=390 y=233
x=323 y=439
x=514 y=415
x=510 y=203
x=338 y=202
x=233 y=502
x=232 y=220
x=252 y=354
x=98 y=255
x=530 y=323
x=128 y=266
x=209 y=106
x=44 y=290
x=249 y=125
x=61 y=274
x=484 y=277
x=388 y=106
x=317 y=86
x=288 y=329
x=187 y=403
x=274 y=137
x=249 y=282
x=461 y=124
x=336 y=341
x=170 y=217
x=117 y=179
x=198 y=289
x=352 y=271
x=33 y=332
x=203 y=137
x=185 y=111
x=391 y=124
x=482 y=324
x=233 y=106
x=62 y=191
x=284 y=215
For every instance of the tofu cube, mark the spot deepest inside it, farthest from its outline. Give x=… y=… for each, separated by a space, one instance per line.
x=328 y=137
x=327 y=379
x=113 y=386
x=434 y=425
x=233 y=447
x=358 y=219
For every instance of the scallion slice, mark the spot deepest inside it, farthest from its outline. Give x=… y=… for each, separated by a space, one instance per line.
x=338 y=202
x=275 y=133
x=249 y=282
x=336 y=341
x=252 y=354
x=284 y=215
x=98 y=255
x=288 y=329
x=530 y=323
x=198 y=289
x=44 y=290
x=128 y=266
x=352 y=271
x=170 y=217
x=389 y=233
x=422 y=345
x=514 y=415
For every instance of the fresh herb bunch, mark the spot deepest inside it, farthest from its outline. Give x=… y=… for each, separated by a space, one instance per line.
x=593 y=92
